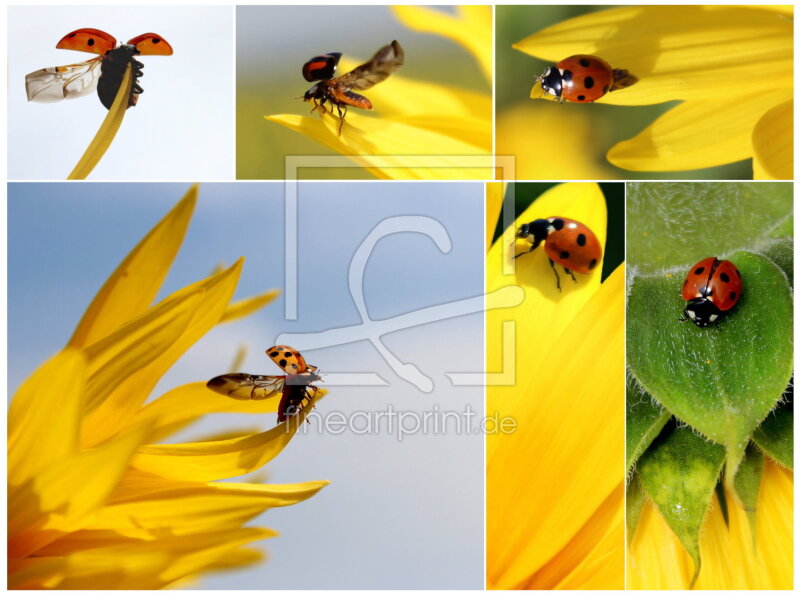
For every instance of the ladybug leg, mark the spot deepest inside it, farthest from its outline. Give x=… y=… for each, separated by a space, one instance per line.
x=342 y=114
x=571 y=274
x=555 y=272
x=532 y=248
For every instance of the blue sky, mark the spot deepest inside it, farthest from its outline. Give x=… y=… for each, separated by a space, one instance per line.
x=398 y=514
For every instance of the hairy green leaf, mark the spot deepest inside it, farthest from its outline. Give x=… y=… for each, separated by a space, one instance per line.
x=775 y=434
x=644 y=419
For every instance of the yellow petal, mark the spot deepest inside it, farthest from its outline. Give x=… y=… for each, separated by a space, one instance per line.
x=697 y=134
x=577 y=156
x=187 y=403
x=495 y=191
x=133 y=286
x=543 y=306
x=107 y=131
x=185 y=509
x=390 y=148
x=471 y=28
x=657 y=560
x=204 y=303
x=44 y=417
x=677 y=52
x=547 y=479
x=247 y=306
x=205 y=461
x=773 y=144
x=61 y=497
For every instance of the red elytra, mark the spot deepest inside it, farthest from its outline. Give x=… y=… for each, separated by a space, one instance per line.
x=717 y=280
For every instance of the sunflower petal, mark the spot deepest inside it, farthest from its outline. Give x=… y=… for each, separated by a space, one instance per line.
x=204 y=303
x=470 y=28
x=389 y=148
x=133 y=286
x=773 y=144
x=247 y=306
x=38 y=439
x=697 y=134
x=533 y=515
x=677 y=52
x=495 y=191
x=205 y=461
x=185 y=404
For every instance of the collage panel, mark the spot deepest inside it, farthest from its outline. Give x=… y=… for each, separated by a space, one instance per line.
x=139 y=319
x=710 y=394
x=174 y=118
x=645 y=92
x=555 y=355
x=403 y=92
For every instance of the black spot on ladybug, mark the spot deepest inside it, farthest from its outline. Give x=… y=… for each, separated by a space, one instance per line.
x=588 y=82
x=593 y=264
x=725 y=277
x=581 y=239
x=90 y=42
x=558 y=224
x=156 y=40
x=584 y=62
x=699 y=271
x=274 y=353
x=605 y=89
x=581 y=97
x=733 y=295
x=564 y=255
x=71 y=35
x=282 y=363
x=567 y=76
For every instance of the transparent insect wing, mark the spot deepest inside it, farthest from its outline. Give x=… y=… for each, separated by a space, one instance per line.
x=247 y=386
x=385 y=61
x=55 y=83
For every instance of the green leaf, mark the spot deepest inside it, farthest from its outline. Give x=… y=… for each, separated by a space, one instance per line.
x=678 y=472
x=677 y=224
x=644 y=419
x=747 y=482
x=723 y=379
x=634 y=502
x=781 y=252
x=775 y=434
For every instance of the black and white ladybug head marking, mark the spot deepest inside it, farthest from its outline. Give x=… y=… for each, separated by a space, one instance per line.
x=702 y=311
x=537 y=231
x=552 y=81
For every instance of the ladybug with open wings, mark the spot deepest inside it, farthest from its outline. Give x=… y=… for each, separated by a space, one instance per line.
x=339 y=91
x=295 y=387
x=581 y=79
x=104 y=72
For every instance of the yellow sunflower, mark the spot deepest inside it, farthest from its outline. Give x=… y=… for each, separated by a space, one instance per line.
x=708 y=58
x=93 y=501
x=555 y=486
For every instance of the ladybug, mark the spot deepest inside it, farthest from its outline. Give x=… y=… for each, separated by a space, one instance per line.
x=295 y=387
x=582 y=79
x=567 y=242
x=103 y=72
x=339 y=91
x=711 y=287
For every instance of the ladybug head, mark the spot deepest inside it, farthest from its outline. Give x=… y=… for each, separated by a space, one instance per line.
x=552 y=81
x=701 y=311
x=535 y=231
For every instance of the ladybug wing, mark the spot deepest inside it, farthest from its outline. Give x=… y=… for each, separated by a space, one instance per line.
x=151 y=44
x=93 y=41
x=247 y=387
x=622 y=79
x=49 y=85
x=321 y=68
x=385 y=61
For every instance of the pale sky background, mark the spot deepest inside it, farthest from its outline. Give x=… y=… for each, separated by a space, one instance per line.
x=397 y=514
x=183 y=125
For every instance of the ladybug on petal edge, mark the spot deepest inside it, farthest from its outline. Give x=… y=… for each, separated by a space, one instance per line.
x=581 y=79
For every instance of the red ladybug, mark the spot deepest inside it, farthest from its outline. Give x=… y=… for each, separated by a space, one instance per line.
x=712 y=287
x=583 y=79
x=566 y=241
